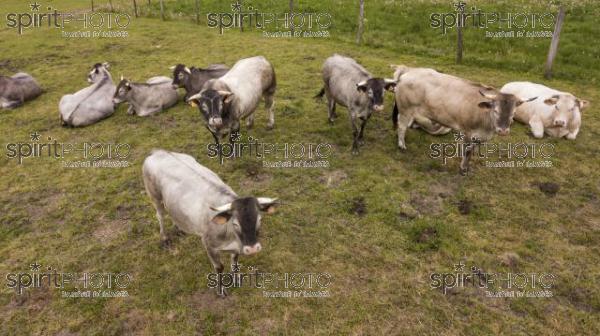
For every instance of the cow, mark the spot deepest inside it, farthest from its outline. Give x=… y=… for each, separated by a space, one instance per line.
x=193 y=79
x=16 y=90
x=91 y=104
x=556 y=113
x=200 y=203
x=224 y=101
x=349 y=84
x=475 y=110
x=147 y=98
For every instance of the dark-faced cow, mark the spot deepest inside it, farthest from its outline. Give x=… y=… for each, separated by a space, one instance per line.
x=225 y=101
x=91 y=104
x=349 y=84
x=193 y=79
x=16 y=90
x=555 y=113
x=145 y=99
x=475 y=110
x=200 y=203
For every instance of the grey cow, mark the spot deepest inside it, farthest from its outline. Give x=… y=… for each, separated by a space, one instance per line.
x=200 y=203
x=193 y=79
x=147 y=98
x=16 y=90
x=349 y=84
x=92 y=103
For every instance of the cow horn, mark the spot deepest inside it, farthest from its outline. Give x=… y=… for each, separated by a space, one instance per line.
x=222 y=208
x=172 y=67
x=389 y=81
x=363 y=83
x=106 y=65
x=266 y=200
x=487 y=95
x=196 y=96
x=186 y=69
x=122 y=77
x=530 y=99
x=224 y=93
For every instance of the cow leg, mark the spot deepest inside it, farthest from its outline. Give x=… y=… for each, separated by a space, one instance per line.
x=537 y=127
x=269 y=105
x=362 y=129
x=403 y=122
x=11 y=104
x=250 y=121
x=355 y=132
x=131 y=110
x=331 y=109
x=235 y=132
x=215 y=260
x=464 y=164
x=235 y=269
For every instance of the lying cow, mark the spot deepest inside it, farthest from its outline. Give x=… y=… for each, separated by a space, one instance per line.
x=193 y=79
x=16 y=90
x=200 y=203
x=349 y=84
x=475 y=110
x=147 y=98
x=555 y=113
x=91 y=104
x=226 y=100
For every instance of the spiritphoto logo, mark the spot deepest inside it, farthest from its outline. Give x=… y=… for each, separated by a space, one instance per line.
x=497 y=155
x=84 y=284
x=94 y=24
x=293 y=285
x=85 y=155
x=274 y=155
x=304 y=24
x=477 y=18
x=495 y=284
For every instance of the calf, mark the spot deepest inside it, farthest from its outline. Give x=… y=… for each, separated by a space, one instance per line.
x=193 y=79
x=555 y=113
x=234 y=96
x=200 y=203
x=16 y=90
x=91 y=104
x=147 y=98
x=476 y=110
x=349 y=84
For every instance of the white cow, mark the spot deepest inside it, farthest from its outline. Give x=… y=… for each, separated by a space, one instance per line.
x=555 y=113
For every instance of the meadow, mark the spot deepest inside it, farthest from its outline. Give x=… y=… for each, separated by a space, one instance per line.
x=380 y=223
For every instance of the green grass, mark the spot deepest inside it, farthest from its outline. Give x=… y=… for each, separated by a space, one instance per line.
x=100 y=220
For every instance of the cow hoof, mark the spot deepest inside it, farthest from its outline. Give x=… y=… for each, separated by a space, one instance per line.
x=223 y=293
x=463 y=171
x=270 y=127
x=179 y=232
x=165 y=243
x=331 y=121
x=402 y=147
x=361 y=142
x=354 y=151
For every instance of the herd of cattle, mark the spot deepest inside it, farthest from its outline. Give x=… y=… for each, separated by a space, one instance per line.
x=200 y=203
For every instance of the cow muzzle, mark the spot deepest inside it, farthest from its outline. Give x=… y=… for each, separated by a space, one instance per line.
x=249 y=250
x=502 y=130
x=378 y=108
x=215 y=122
x=560 y=123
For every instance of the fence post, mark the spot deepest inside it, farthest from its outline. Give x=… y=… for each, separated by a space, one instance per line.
x=162 y=10
x=554 y=43
x=361 y=18
x=135 y=8
x=111 y=6
x=92 y=5
x=197 y=2
x=291 y=16
x=459 y=35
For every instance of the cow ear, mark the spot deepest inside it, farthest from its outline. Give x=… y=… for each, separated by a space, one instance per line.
x=485 y=105
x=552 y=100
x=267 y=204
x=526 y=101
x=390 y=84
x=227 y=96
x=222 y=218
x=362 y=86
x=583 y=103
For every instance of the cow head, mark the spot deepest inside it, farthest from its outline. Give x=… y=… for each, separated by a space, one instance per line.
x=122 y=91
x=374 y=89
x=243 y=215
x=181 y=74
x=98 y=72
x=212 y=104
x=502 y=107
x=565 y=106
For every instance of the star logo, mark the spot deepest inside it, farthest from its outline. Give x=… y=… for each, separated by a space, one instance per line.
x=35 y=136
x=236 y=7
x=459 y=267
x=459 y=136
x=459 y=6
x=35 y=6
x=35 y=266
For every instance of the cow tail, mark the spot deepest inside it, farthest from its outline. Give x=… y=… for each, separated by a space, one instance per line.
x=320 y=94
x=395 y=115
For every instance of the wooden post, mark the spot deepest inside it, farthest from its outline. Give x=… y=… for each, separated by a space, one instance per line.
x=197 y=3
x=92 y=5
x=162 y=10
x=135 y=8
x=554 y=43
x=361 y=19
x=111 y=5
x=241 y=10
x=291 y=16
x=459 y=35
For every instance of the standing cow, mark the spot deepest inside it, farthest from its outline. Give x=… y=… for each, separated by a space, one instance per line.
x=475 y=110
x=234 y=96
x=147 y=98
x=555 y=113
x=200 y=203
x=193 y=79
x=16 y=90
x=349 y=84
x=91 y=104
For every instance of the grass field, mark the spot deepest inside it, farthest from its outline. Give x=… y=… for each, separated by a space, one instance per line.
x=380 y=223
